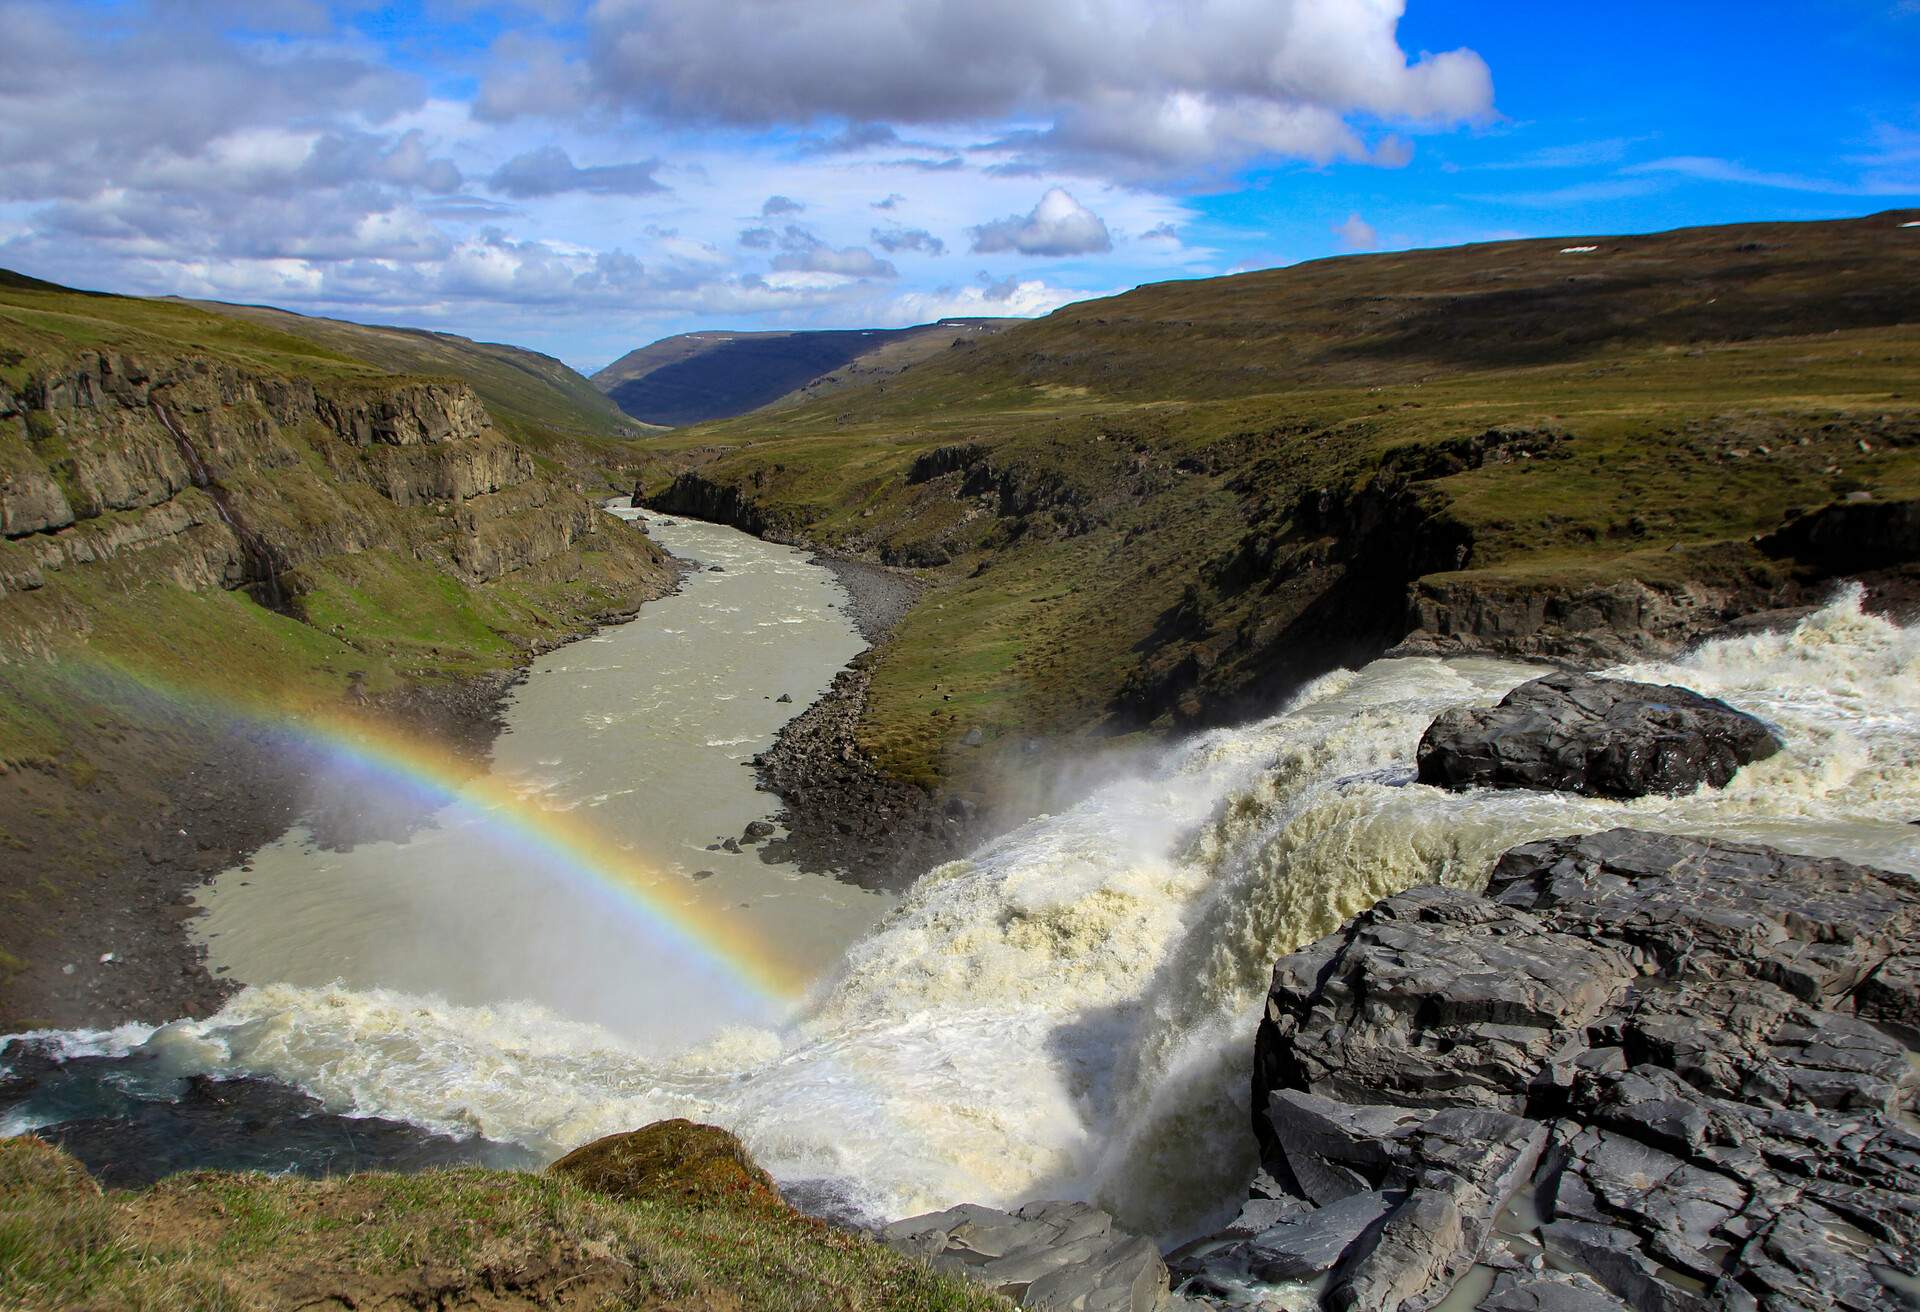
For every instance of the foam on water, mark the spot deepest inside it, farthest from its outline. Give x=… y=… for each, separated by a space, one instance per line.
x=1069 y=1011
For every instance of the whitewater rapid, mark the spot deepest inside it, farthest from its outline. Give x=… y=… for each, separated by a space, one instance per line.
x=1069 y=1011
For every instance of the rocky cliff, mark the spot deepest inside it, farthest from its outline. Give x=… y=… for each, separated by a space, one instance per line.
x=202 y=474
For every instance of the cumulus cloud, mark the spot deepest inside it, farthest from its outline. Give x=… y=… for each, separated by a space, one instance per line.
x=1135 y=82
x=894 y=240
x=777 y=206
x=549 y=171
x=1356 y=234
x=339 y=158
x=1058 y=226
x=1022 y=298
x=803 y=252
x=890 y=202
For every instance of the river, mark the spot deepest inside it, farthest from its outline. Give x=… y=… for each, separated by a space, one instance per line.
x=1069 y=1011
x=640 y=736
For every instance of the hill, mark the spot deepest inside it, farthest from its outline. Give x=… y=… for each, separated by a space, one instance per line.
x=522 y=389
x=696 y=377
x=1169 y=507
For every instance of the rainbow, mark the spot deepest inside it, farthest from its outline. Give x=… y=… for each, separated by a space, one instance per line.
x=568 y=846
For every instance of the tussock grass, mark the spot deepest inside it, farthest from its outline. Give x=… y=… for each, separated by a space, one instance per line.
x=442 y=1238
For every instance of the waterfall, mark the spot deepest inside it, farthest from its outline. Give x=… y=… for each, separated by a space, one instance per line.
x=1069 y=1011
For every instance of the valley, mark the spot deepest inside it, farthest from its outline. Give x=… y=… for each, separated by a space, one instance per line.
x=1168 y=509
x=1085 y=670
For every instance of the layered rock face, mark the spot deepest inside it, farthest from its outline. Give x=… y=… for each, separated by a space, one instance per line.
x=1641 y=1071
x=205 y=474
x=1057 y=1256
x=1599 y=737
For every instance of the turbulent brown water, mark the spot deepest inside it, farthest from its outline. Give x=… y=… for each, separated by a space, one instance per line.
x=1069 y=1011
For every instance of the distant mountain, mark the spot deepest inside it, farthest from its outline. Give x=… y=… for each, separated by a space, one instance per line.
x=716 y=375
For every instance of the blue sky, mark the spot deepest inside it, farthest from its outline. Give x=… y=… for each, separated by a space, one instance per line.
x=586 y=177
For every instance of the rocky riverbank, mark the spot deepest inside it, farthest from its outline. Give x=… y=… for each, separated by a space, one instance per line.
x=843 y=814
x=878 y=597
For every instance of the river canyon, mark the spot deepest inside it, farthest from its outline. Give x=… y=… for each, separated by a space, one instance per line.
x=1068 y=1011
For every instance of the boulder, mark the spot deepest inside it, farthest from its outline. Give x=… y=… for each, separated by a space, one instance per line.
x=677 y=1159
x=1683 y=1069
x=755 y=831
x=1851 y=537
x=1576 y=733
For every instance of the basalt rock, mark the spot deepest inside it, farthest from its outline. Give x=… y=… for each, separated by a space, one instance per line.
x=1576 y=733
x=1683 y=1070
x=1850 y=537
x=1044 y=1256
x=202 y=474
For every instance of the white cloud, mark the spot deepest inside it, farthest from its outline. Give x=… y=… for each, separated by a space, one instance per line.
x=803 y=252
x=1138 y=84
x=1709 y=169
x=1009 y=298
x=894 y=240
x=566 y=206
x=1356 y=234
x=1059 y=225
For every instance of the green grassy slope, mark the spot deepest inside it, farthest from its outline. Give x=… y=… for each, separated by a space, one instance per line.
x=524 y=390
x=1163 y=505
x=465 y=1238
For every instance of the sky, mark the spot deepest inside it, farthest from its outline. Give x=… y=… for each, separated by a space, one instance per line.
x=586 y=177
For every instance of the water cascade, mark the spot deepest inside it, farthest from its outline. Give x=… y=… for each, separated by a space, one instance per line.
x=1069 y=1011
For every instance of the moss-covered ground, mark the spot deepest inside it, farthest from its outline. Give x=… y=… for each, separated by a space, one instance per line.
x=476 y=1238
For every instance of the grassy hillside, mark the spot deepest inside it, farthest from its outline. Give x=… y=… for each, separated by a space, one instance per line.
x=466 y=1238
x=1169 y=506
x=715 y=375
x=525 y=391
x=45 y=329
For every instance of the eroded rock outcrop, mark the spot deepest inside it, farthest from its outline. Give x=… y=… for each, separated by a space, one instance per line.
x=1056 y=1255
x=1600 y=737
x=203 y=474
x=1641 y=1070
x=1851 y=536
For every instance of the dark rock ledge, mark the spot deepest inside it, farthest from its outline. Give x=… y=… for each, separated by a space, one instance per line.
x=1641 y=1071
